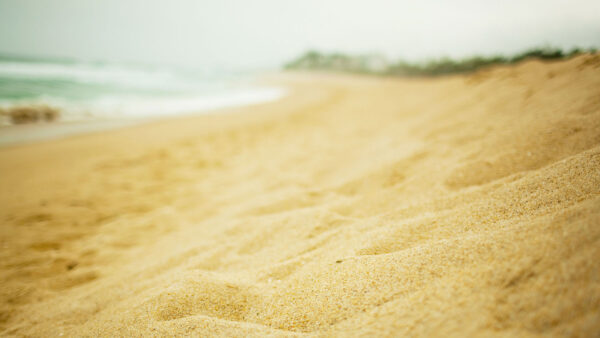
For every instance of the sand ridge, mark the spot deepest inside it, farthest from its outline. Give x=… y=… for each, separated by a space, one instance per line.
x=360 y=206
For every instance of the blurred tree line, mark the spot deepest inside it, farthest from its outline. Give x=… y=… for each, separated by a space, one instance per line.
x=377 y=64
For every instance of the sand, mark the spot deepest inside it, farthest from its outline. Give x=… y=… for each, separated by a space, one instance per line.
x=357 y=206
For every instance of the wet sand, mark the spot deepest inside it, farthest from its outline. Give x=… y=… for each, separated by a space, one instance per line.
x=361 y=206
x=31 y=133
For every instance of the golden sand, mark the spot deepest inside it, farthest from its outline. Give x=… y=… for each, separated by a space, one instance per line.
x=360 y=206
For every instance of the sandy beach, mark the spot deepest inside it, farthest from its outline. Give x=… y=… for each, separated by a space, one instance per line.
x=465 y=205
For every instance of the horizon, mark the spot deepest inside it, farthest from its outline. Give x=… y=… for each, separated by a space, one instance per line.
x=423 y=61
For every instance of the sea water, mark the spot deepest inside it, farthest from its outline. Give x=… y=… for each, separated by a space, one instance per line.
x=100 y=90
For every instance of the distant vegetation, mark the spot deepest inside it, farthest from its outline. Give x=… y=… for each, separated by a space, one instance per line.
x=377 y=64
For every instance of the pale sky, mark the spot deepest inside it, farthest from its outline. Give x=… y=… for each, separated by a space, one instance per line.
x=266 y=33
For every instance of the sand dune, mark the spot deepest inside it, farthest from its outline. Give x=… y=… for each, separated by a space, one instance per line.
x=360 y=206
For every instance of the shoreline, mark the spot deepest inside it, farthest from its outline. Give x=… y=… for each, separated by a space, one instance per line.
x=35 y=132
x=458 y=206
x=22 y=134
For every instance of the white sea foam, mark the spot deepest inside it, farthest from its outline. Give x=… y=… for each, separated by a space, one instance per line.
x=91 y=90
x=135 y=107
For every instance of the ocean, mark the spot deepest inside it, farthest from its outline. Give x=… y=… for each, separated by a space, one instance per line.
x=101 y=90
